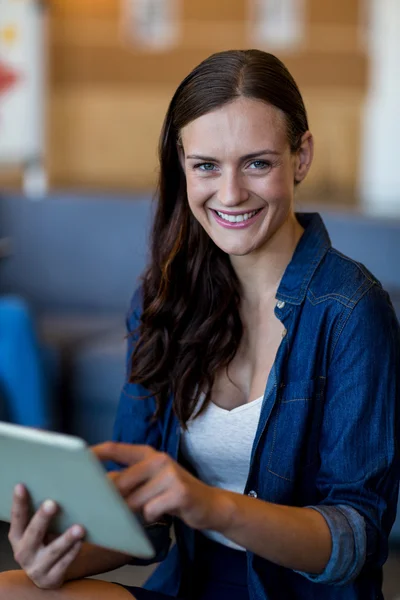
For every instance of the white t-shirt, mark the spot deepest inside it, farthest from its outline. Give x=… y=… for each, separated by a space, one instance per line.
x=218 y=446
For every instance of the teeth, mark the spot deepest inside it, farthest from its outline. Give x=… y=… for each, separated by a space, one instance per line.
x=238 y=218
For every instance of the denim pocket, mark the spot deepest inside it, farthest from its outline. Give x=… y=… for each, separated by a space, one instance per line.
x=294 y=429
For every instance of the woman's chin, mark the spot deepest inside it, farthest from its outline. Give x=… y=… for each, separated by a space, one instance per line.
x=236 y=249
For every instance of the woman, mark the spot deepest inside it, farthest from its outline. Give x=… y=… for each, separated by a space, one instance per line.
x=260 y=408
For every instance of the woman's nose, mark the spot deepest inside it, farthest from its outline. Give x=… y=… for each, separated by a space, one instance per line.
x=231 y=191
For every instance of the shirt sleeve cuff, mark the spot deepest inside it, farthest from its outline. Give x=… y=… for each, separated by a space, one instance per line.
x=349 y=545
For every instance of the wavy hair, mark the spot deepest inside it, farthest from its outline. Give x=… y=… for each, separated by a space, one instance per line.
x=190 y=326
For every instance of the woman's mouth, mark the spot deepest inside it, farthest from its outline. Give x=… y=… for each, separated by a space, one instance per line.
x=236 y=220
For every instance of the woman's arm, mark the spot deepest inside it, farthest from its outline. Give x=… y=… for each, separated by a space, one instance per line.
x=297 y=538
x=93 y=560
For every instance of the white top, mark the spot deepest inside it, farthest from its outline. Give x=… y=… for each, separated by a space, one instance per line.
x=218 y=446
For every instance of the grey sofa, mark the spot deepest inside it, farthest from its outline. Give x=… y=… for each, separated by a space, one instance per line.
x=77 y=260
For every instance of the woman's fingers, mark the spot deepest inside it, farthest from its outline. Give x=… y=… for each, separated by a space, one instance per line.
x=137 y=475
x=114 y=475
x=54 y=553
x=124 y=454
x=20 y=514
x=137 y=499
x=57 y=573
x=33 y=538
x=160 y=505
x=45 y=563
x=48 y=569
x=43 y=567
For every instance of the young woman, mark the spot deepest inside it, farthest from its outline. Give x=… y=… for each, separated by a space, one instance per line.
x=260 y=413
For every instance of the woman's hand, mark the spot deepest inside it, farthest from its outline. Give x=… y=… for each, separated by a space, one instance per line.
x=44 y=563
x=155 y=484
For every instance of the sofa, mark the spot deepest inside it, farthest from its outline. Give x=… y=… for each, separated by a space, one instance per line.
x=77 y=258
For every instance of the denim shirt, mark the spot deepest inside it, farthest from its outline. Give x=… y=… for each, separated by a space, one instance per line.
x=329 y=430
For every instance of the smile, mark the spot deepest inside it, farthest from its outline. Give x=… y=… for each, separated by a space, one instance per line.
x=236 y=220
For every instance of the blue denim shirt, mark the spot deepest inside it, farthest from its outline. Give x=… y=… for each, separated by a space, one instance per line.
x=329 y=428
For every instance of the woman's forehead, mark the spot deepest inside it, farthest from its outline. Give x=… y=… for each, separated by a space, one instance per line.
x=244 y=122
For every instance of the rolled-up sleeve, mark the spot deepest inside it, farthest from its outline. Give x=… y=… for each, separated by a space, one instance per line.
x=349 y=545
x=359 y=474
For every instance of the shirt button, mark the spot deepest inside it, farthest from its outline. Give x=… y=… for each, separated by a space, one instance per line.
x=252 y=494
x=280 y=304
x=284 y=332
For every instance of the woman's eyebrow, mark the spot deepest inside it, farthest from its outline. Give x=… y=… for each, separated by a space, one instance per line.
x=245 y=157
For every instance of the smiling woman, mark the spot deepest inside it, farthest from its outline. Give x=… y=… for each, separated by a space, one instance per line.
x=236 y=151
x=239 y=189
x=260 y=410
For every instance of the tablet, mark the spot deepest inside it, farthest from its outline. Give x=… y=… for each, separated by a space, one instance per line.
x=62 y=468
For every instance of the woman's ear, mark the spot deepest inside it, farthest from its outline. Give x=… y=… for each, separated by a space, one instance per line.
x=304 y=157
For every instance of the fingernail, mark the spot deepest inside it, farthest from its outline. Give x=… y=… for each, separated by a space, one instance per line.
x=77 y=531
x=49 y=506
x=19 y=490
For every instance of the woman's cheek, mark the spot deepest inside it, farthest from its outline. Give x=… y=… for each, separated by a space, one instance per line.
x=199 y=192
x=278 y=192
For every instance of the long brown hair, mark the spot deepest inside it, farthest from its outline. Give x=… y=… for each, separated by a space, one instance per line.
x=190 y=325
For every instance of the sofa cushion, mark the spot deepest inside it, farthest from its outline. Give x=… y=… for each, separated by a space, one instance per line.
x=75 y=252
x=97 y=378
x=68 y=330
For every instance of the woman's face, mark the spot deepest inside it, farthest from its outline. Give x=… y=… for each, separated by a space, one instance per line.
x=240 y=173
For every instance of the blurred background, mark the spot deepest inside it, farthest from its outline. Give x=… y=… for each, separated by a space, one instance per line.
x=84 y=86
x=113 y=65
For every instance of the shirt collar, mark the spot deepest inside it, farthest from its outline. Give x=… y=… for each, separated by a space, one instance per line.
x=311 y=249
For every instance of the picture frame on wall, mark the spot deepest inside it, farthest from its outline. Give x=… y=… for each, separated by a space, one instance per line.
x=151 y=25
x=277 y=24
x=22 y=81
x=22 y=91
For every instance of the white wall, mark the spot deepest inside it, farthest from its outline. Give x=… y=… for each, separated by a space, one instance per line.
x=380 y=167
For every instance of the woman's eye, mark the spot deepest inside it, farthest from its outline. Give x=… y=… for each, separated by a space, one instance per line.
x=259 y=164
x=204 y=167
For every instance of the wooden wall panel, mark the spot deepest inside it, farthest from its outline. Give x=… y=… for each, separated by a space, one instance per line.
x=116 y=66
x=107 y=138
x=333 y=40
x=218 y=11
x=345 y=12
x=98 y=9
x=334 y=118
x=108 y=98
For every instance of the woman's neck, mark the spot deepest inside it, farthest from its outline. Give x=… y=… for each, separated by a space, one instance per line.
x=260 y=272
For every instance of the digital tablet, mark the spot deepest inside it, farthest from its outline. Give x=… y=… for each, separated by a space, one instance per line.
x=62 y=468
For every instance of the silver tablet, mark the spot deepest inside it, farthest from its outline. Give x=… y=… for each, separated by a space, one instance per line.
x=63 y=469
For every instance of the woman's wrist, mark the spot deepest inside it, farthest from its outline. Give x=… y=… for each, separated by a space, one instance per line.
x=224 y=511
